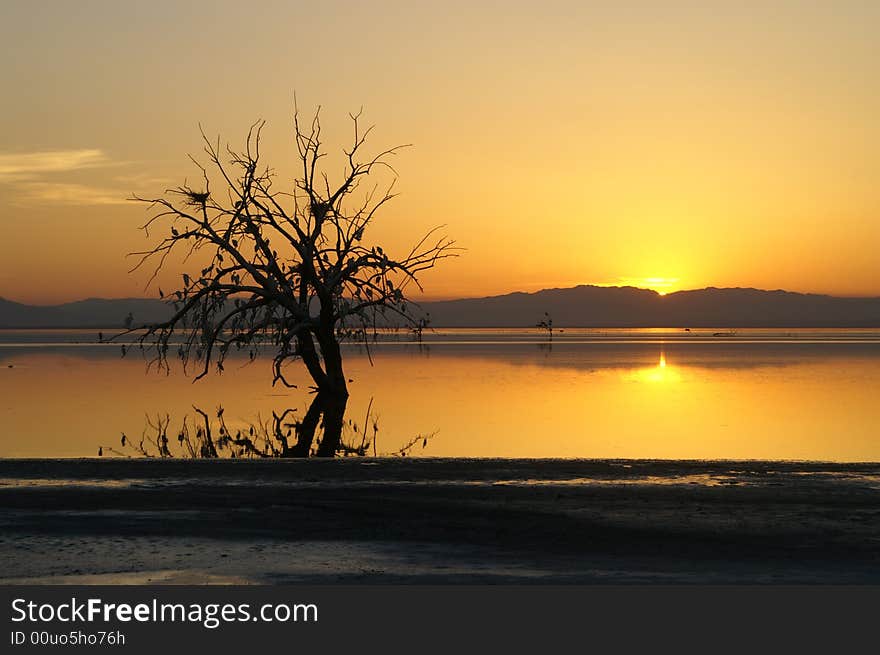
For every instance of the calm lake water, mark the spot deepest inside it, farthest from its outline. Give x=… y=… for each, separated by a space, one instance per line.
x=706 y=394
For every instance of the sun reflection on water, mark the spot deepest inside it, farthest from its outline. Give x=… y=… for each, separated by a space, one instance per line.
x=662 y=372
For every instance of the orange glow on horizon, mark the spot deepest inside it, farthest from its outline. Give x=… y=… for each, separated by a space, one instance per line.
x=731 y=147
x=662 y=285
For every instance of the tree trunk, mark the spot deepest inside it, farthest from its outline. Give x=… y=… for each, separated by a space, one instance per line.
x=305 y=431
x=334 y=415
x=331 y=399
x=335 y=382
x=310 y=358
x=329 y=402
x=335 y=396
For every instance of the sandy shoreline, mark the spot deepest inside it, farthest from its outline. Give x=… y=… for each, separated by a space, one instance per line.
x=440 y=521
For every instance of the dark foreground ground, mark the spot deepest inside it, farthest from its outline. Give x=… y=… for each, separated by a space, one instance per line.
x=430 y=520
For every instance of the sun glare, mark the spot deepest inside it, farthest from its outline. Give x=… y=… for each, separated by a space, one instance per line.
x=661 y=285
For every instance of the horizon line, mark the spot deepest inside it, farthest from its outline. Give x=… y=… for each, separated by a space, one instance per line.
x=506 y=293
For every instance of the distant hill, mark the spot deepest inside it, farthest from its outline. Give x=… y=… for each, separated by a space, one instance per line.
x=581 y=306
x=591 y=306
x=89 y=313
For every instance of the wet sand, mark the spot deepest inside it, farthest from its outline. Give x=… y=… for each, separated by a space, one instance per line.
x=438 y=521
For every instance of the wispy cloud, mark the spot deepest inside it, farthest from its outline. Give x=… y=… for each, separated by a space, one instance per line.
x=63 y=193
x=27 y=165
x=44 y=177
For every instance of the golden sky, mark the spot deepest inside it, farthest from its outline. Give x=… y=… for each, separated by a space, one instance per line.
x=662 y=144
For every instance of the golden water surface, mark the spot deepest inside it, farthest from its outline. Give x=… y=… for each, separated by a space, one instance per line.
x=627 y=394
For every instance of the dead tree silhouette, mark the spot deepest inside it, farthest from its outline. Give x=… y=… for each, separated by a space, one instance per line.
x=546 y=324
x=288 y=271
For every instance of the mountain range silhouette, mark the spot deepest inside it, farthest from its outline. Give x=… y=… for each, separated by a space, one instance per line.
x=581 y=306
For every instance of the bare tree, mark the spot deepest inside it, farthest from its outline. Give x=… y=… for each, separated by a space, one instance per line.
x=546 y=324
x=290 y=270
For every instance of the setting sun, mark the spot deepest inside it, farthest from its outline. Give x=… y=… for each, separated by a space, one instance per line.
x=661 y=285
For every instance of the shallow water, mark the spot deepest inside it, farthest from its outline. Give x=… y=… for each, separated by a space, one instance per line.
x=661 y=393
